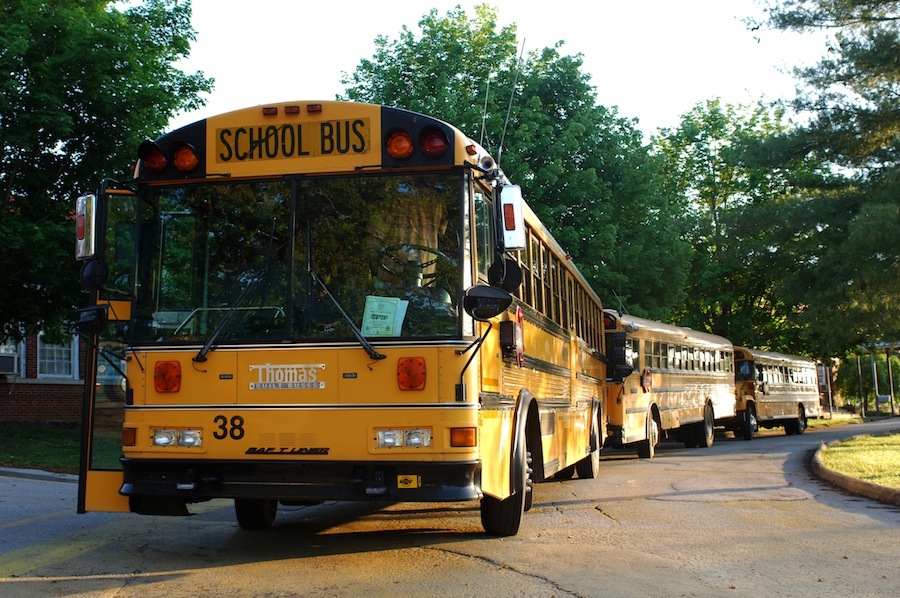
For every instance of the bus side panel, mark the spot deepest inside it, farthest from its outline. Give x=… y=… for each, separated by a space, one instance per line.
x=102 y=492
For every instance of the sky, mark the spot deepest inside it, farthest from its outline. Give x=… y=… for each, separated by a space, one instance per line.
x=653 y=60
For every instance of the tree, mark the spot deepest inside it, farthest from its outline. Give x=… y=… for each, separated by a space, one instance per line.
x=733 y=192
x=582 y=167
x=84 y=82
x=846 y=227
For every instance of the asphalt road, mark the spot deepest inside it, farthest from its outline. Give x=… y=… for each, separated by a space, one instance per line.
x=738 y=519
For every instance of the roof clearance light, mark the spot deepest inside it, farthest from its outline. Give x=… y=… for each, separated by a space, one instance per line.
x=292 y=109
x=400 y=145
x=270 y=111
x=167 y=376
x=313 y=108
x=152 y=157
x=434 y=143
x=185 y=158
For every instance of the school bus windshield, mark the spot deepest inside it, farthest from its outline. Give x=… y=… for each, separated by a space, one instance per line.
x=239 y=260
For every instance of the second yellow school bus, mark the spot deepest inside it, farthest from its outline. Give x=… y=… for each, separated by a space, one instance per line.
x=314 y=301
x=665 y=382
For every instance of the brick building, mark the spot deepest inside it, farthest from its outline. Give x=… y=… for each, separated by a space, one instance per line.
x=41 y=381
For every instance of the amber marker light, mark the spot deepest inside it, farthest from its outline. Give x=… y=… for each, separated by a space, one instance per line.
x=129 y=436
x=167 y=376
x=462 y=437
x=411 y=373
x=400 y=145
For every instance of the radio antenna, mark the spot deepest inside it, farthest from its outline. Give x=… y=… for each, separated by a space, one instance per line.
x=487 y=90
x=622 y=309
x=512 y=94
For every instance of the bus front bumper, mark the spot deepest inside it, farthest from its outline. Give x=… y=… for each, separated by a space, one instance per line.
x=152 y=483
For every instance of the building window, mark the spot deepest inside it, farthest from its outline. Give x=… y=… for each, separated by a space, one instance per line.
x=57 y=361
x=9 y=358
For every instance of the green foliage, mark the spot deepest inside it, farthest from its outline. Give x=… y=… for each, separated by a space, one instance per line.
x=584 y=169
x=84 y=82
x=733 y=196
x=844 y=227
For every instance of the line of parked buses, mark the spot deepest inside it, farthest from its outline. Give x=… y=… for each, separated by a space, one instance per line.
x=669 y=382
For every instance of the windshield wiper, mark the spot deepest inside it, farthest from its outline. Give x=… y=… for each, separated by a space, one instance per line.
x=200 y=357
x=373 y=353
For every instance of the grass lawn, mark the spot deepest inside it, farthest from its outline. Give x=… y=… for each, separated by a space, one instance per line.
x=874 y=459
x=53 y=447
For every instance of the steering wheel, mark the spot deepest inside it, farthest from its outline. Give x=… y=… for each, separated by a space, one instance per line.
x=410 y=270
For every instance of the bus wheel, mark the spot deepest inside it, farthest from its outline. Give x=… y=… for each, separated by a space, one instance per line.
x=796 y=426
x=748 y=423
x=566 y=473
x=502 y=517
x=255 y=514
x=706 y=433
x=646 y=449
x=589 y=467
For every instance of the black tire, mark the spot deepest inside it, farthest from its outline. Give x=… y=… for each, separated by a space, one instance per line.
x=706 y=432
x=801 y=423
x=255 y=514
x=502 y=517
x=646 y=449
x=567 y=473
x=748 y=423
x=589 y=467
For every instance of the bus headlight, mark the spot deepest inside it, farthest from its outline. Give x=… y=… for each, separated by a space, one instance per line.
x=190 y=438
x=163 y=437
x=399 y=438
x=417 y=438
x=184 y=438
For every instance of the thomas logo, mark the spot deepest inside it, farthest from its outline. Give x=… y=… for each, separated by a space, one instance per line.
x=287 y=376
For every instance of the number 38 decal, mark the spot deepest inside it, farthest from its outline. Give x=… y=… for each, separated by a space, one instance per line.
x=228 y=428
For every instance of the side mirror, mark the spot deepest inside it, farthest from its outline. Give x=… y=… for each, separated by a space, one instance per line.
x=91 y=320
x=483 y=303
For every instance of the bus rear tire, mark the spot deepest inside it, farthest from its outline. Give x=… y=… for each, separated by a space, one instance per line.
x=706 y=432
x=253 y=514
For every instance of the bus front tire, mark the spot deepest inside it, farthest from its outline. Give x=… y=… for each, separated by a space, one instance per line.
x=502 y=517
x=646 y=449
x=253 y=514
x=748 y=423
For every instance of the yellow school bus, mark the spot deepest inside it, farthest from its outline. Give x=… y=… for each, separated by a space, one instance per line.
x=774 y=389
x=665 y=382
x=310 y=301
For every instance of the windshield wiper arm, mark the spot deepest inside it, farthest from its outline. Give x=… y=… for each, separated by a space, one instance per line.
x=373 y=353
x=200 y=357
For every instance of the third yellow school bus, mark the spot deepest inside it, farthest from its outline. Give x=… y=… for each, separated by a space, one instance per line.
x=665 y=381
x=774 y=389
x=330 y=301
